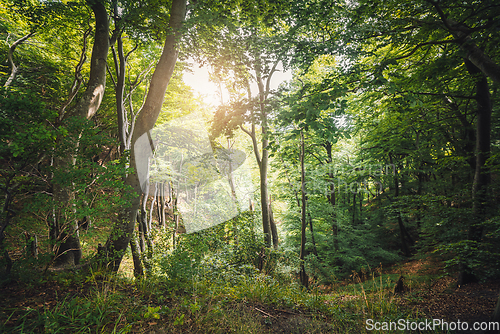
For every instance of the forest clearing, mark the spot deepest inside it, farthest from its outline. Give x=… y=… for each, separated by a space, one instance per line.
x=309 y=166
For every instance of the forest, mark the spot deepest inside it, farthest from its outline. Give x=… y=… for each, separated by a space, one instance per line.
x=337 y=170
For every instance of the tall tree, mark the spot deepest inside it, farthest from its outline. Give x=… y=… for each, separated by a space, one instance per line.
x=246 y=55
x=65 y=228
x=119 y=238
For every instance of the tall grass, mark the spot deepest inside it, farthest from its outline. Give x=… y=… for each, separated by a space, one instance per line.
x=230 y=301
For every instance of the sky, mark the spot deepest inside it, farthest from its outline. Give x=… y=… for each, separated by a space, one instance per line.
x=198 y=80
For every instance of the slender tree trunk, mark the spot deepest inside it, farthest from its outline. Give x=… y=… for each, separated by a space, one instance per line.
x=158 y=204
x=137 y=247
x=272 y=224
x=313 y=239
x=304 y=279
x=119 y=92
x=144 y=226
x=264 y=195
x=331 y=194
x=162 y=206
x=354 y=208
x=404 y=245
x=234 y=197
x=142 y=234
x=122 y=231
x=263 y=161
x=145 y=232
x=360 y=205
x=481 y=183
x=152 y=207
x=136 y=257
x=176 y=228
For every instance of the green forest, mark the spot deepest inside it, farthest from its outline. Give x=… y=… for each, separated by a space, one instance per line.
x=337 y=170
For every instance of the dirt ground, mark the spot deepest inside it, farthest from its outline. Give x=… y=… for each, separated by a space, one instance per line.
x=436 y=298
x=441 y=298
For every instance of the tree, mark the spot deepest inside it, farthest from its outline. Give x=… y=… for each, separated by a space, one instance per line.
x=247 y=52
x=24 y=142
x=64 y=230
x=122 y=231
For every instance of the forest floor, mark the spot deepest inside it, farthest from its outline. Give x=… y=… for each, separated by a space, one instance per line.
x=441 y=298
x=120 y=307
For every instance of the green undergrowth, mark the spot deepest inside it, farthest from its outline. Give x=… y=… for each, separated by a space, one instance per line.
x=230 y=302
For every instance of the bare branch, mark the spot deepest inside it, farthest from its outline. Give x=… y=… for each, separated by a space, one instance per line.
x=11 y=58
x=130 y=52
x=77 y=82
x=111 y=75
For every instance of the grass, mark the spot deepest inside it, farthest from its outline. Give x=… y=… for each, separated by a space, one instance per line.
x=96 y=303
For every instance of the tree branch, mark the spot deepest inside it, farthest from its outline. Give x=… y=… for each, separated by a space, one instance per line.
x=11 y=59
x=427 y=43
x=77 y=82
x=254 y=142
x=474 y=54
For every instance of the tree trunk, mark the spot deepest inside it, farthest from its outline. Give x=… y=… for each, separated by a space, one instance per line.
x=145 y=237
x=120 y=62
x=480 y=195
x=402 y=230
x=360 y=206
x=304 y=279
x=481 y=183
x=65 y=228
x=476 y=55
x=313 y=240
x=144 y=218
x=331 y=194
x=142 y=234
x=162 y=206
x=264 y=195
x=136 y=257
x=176 y=228
x=263 y=161
x=354 y=207
x=272 y=224
x=152 y=207
x=122 y=231
x=473 y=53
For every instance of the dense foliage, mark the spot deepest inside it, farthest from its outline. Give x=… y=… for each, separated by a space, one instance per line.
x=384 y=145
